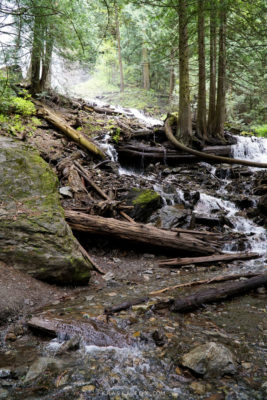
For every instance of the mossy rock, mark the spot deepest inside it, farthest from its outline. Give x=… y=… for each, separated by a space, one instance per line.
x=145 y=202
x=34 y=236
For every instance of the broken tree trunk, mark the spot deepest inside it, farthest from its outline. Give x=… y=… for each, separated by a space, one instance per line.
x=62 y=125
x=212 y=295
x=178 y=262
x=206 y=156
x=139 y=233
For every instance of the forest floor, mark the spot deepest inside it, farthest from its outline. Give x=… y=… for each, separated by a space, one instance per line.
x=153 y=368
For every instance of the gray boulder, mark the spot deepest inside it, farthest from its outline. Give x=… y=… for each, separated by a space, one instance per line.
x=169 y=217
x=34 y=236
x=212 y=360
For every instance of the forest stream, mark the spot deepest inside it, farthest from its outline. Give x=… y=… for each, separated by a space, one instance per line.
x=138 y=353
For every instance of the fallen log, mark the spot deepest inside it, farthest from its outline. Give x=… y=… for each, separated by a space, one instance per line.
x=212 y=295
x=218 y=150
x=205 y=156
x=139 y=233
x=125 y=305
x=216 y=279
x=178 y=262
x=61 y=124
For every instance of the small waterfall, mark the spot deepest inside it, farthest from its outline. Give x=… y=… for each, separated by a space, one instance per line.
x=257 y=235
x=250 y=148
x=108 y=148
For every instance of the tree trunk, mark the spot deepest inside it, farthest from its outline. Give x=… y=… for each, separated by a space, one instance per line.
x=37 y=51
x=46 y=64
x=201 y=107
x=183 y=242
x=146 y=79
x=184 y=128
x=172 y=78
x=221 y=88
x=212 y=91
x=119 y=48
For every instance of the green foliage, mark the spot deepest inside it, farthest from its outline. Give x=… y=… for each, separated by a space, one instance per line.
x=261 y=130
x=23 y=106
x=116 y=135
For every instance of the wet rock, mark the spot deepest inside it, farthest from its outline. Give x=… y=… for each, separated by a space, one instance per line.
x=39 y=366
x=262 y=204
x=244 y=203
x=144 y=203
x=171 y=217
x=5 y=373
x=198 y=387
x=32 y=224
x=222 y=173
x=210 y=360
x=10 y=336
x=260 y=190
x=69 y=345
x=3 y=394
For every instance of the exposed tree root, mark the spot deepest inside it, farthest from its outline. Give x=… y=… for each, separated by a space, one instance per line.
x=206 y=156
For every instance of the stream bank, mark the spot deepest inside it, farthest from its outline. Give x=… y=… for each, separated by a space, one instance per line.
x=218 y=199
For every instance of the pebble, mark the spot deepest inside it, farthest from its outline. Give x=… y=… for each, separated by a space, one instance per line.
x=198 y=387
x=88 y=388
x=3 y=394
x=5 y=373
x=11 y=337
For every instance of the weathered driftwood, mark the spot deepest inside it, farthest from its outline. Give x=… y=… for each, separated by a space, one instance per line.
x=221 y=278
x=205 y=156
x=178 y=262
x=91 y=332
x=139 y=233
x=196 y=300
x=61 y=124
x=99 y=190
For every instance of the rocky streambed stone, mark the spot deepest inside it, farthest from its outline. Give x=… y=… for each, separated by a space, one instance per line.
x=210 y=360
x=34 y=236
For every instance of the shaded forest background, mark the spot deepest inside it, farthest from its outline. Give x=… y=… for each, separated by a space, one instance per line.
x=203 y=59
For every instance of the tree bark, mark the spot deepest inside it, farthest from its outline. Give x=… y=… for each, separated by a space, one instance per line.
x=221 y=86
x=46 y=63
x=139 y=233
x=146 y=78
x=201 y=106
x=184 y=128
x=205 y=296
x=212 y=89
x=119 y=48
x=172 y=78
x=36 y=54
